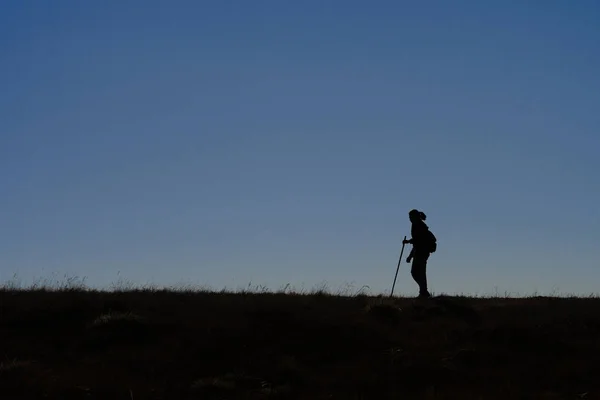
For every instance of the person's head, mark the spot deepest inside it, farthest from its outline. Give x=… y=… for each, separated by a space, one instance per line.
x=415 y=215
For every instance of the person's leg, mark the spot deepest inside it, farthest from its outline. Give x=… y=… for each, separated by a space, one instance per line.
x=423 y=271
x=419 y=274
x=416 y=272
x=424 y=292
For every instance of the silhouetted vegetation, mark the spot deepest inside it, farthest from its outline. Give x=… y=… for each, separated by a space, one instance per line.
x=160 y=344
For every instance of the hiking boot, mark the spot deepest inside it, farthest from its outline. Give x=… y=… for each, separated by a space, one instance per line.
x=424 y=295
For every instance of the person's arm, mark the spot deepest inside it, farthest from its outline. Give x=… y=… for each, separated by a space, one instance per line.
x=410 y=256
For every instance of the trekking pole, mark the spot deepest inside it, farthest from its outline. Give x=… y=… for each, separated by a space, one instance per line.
x=398 y=267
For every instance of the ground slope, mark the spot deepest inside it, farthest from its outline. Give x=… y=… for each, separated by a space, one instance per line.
x=168 y=345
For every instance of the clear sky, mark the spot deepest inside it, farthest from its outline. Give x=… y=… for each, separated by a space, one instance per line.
x=273 y=142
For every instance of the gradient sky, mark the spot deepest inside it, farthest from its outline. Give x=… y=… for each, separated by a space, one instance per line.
x=273 y=142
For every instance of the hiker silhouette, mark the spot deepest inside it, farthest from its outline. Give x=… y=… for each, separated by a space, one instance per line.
x=424 y=243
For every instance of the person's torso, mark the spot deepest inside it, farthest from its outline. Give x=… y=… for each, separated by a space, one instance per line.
x=420 y=233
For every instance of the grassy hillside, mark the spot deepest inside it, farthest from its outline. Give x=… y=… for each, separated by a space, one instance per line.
x=79 y=344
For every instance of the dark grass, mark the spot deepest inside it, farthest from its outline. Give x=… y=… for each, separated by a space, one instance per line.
x=75 y=343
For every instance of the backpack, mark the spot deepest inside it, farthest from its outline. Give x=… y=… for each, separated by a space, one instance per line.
x=432 y=241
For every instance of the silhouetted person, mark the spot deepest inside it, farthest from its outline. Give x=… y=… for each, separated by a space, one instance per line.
x=424 y=243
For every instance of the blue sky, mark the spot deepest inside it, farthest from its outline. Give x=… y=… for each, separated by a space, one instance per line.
x=229 y=142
